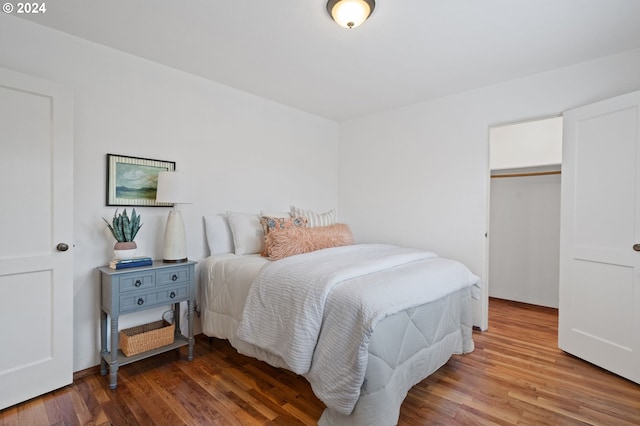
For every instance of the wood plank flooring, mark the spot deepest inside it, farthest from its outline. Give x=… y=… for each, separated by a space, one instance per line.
x=515 y=376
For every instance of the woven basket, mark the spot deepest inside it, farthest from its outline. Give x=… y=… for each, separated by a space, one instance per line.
x=145 y=337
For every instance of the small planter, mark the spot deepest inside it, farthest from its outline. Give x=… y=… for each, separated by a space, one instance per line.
x=125 y=250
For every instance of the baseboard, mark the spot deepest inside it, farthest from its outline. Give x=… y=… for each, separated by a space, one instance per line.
x=86 y=372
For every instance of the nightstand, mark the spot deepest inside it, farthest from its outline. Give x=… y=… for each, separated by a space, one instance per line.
x=129 y=290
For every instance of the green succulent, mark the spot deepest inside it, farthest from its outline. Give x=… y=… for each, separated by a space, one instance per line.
x=124 y=228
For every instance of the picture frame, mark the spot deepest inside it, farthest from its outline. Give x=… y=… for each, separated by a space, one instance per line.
x=133 y=181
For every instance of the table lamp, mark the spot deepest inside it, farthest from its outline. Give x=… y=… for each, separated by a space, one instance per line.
x=176 y=188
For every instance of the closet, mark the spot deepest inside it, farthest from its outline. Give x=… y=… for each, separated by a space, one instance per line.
x=524 y=212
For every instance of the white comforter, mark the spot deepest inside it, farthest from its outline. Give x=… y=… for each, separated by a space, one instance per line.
x=317 y=312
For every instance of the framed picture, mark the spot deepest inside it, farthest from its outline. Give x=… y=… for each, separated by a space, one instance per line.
x=133 y=181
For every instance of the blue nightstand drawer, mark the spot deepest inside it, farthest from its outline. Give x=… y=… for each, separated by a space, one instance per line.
x=137 y=281
x=173 y=276
x=146 y=300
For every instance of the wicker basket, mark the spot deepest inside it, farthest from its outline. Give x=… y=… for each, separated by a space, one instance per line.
x=145 y=337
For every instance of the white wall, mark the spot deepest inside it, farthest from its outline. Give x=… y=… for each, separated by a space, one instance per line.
x=246 y=153
x=528 y=144
x=524 y=248
x=419 y=175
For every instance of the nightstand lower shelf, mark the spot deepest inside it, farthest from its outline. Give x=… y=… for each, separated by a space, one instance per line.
x=178 y=342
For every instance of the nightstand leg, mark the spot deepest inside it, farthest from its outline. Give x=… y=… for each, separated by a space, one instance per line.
x=190 y=328
x=176 y=318
x=113 y=364
x=103 y=342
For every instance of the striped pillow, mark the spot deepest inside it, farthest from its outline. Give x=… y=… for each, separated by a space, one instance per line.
x=315 y=219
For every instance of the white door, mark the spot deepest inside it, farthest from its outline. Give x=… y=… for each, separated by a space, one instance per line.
x=36 y=214
x=600 y=229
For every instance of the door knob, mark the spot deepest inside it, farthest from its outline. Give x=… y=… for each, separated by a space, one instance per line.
x=636 y=247
x=62 y=247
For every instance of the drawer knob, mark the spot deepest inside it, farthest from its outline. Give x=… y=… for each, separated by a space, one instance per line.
x=172 y=294
x=636 y=247
x=140 y=301
x=174 y=277
x=138 y=283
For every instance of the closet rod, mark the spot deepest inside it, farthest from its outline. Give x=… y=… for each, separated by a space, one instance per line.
x=557 y=172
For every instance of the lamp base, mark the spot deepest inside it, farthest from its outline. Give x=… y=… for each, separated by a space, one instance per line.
x=174 y=260
x=175 y=245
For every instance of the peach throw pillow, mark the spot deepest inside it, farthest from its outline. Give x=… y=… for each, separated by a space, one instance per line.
x=292 y=241
x=272 y=224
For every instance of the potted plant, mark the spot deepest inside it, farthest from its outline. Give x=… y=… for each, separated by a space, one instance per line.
x=124 y=229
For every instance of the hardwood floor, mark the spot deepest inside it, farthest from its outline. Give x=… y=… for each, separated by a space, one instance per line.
x=515 y=376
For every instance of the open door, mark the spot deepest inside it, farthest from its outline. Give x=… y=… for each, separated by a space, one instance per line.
x=36 y=224
x=600 y=235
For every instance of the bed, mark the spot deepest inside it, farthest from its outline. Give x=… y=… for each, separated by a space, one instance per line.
x=362 y=323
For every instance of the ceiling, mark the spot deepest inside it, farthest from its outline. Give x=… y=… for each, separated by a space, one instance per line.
x=409 y=51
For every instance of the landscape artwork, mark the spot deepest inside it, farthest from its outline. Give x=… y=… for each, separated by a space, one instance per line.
x=133 y=181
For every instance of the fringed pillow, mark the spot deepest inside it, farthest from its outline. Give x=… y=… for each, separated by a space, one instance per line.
x=296 y=240
x=272 y=224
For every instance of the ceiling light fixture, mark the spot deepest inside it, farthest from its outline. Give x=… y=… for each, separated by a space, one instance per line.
x=350 y=13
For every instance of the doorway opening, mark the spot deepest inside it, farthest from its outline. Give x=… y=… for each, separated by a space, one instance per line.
x=524 y=211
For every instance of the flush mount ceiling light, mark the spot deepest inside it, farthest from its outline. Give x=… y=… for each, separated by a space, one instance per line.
x=350 y=13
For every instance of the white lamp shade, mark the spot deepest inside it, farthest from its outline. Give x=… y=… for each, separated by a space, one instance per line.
x=174 y=187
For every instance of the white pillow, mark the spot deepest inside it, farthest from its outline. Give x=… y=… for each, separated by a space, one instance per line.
x=266 y=213
x=315 y=219
x=219 y=237
x=248 y=235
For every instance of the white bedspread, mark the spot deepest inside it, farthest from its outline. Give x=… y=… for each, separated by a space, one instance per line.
x=317 y=311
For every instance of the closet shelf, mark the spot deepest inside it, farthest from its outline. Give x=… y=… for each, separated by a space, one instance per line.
x=510 y=175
